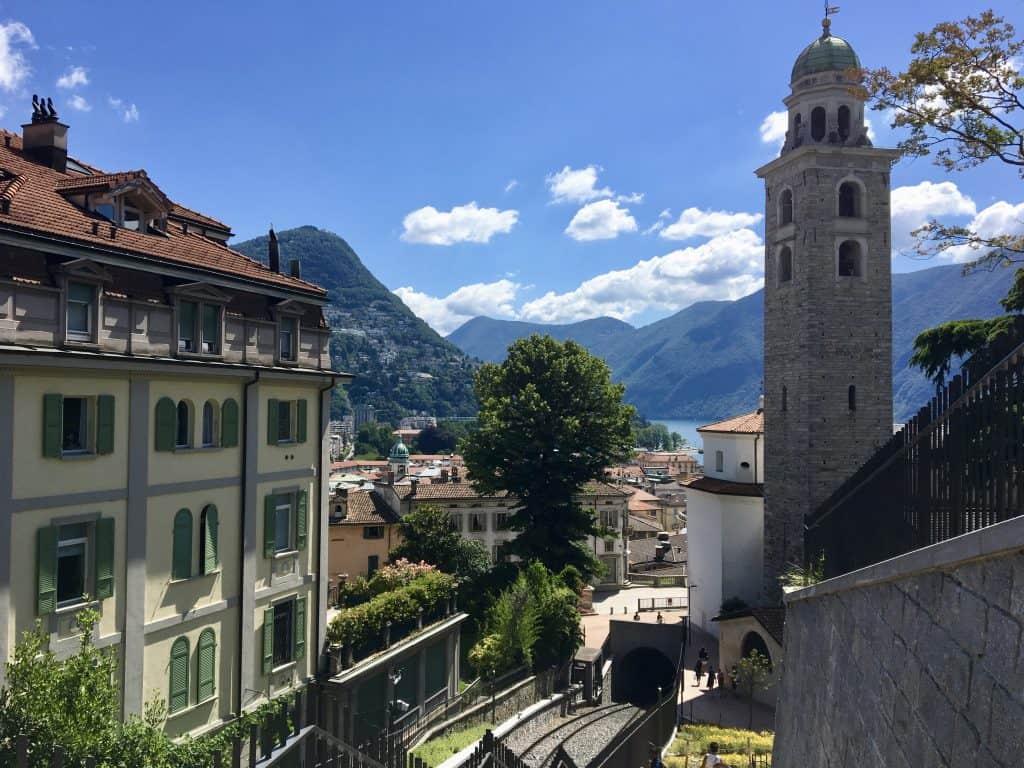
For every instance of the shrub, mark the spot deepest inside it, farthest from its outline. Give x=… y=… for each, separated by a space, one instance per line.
x=733 y=605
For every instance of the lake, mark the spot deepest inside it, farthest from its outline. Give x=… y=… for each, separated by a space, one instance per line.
x=685 y=427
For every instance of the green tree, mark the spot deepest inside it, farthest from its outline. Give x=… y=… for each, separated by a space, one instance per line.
x=752 y=673
x=437 y=439
x=550 y=421
x=960 y=102
x=428 y=536
x=558 y=615
x=512 y=631
x=374 y=439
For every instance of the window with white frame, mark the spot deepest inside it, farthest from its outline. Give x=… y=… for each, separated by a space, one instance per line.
x=719 y=461
x=284 y=512
x=285 y=421
x=72 y=563
x=199 y=327
x=75 y=426
x=477 y=522
x=81 y=309
x=288 y=337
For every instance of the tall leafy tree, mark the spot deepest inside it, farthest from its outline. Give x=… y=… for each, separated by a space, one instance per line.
x=961 y=100
x=550 y=421
x=428 y=536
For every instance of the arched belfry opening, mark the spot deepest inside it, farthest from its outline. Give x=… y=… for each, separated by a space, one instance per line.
x=786 y=207
x=849 y=200
x=851 y=258
x=785 y=264
x=818 y=123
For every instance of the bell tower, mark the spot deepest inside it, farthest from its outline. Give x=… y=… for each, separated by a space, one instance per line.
x=827 y=301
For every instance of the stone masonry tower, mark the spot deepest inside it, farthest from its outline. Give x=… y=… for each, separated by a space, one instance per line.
x=827 y=302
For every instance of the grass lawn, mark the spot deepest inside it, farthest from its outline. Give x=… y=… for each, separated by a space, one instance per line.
x=732 y=744
x=436 y=751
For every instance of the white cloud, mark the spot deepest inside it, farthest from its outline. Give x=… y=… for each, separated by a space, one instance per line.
x=726 y=267
x=1001 y=218
x=129 y=112
x=694 y=222
x=600 y=220
x=14 y=68
x=660 y=223
x=462 y=224
x=512 y=184
x=913 y=206
x=635 y=197
x=577 y=185
x=73 y=78
x=773 y=128
x=78 y=103
x=446 y=314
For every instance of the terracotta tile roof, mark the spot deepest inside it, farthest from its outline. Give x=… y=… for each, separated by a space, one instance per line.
x=641 y=523
x=724 y=487
x=642 y=550
x=179 y=211
x=772 y=619
x=748 y=424
x=38 y=205
x=465 y=490
x=367 y=508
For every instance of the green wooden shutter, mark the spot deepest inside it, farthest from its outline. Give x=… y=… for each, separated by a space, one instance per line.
x=268 y=640
x=166 y=418
x=46 y=562
x=229 y=423
x=181 y=560
x=300 y=431
x=53 y=425
x=210 y=556
x=299 y=646
x=105 y=424
x=178 y=698
x=301 y=518
x=272 y=421
x=269 y=540
x=104 y=558
x=207 y=665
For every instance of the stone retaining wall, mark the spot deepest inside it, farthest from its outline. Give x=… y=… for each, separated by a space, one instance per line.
x=914 y=662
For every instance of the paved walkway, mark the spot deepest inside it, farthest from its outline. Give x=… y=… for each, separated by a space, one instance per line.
x=721 y=707
x=626 y=598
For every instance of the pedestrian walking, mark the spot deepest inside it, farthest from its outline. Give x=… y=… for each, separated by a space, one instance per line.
x=702 y=654
x=711 y=678
x=733 y=678
x=698 y=671
x=721 y=680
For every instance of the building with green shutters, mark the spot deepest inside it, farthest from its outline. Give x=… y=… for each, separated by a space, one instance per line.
x=164 y=404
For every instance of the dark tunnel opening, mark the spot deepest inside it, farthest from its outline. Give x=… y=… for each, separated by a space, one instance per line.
x=640 y=674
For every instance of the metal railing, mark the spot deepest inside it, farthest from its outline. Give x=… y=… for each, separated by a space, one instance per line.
x=956 y=467
x=661 y=603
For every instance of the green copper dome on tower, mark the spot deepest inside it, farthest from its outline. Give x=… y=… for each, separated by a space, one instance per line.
x=399 y=452
x=826 y=54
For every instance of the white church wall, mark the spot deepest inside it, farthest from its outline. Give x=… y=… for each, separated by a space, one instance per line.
x=742 y=457
x=704 y=558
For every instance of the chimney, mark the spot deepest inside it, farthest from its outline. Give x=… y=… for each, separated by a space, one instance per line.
x=274 y=252
x=760 y=404
x=296 y=269
x=45 y=139
x=444 y=475
x=413 y=482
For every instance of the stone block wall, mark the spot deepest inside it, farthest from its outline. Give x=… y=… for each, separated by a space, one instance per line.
x=917 y=662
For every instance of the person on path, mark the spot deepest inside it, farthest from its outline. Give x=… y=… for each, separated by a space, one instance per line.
x=703 y=654
x=711 y=679
x=721 y=680
x=698 y=671
x=711 y=759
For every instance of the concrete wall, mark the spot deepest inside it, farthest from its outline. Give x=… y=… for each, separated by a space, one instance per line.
x=917 y=661
x=730 y=651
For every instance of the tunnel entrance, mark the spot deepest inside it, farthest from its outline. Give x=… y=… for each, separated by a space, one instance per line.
x=640 y=673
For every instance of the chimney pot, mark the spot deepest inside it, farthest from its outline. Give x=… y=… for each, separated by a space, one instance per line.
x=45 y=139
x=274 y=252
x=296 y=269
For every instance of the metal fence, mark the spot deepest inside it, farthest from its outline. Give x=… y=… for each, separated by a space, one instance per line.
x=661 y=603
x=957 y=466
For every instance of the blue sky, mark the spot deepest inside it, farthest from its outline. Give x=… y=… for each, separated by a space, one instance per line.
x=525 y=160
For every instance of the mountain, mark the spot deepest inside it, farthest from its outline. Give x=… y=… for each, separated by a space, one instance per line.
x=706 y=361
x=400 y=363
x=488 y=339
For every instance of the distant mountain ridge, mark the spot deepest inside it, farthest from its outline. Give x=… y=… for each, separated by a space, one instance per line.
x=706 y=361
x=401 y=364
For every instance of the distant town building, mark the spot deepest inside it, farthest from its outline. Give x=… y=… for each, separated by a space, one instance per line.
x=417 y=422
x=362 y=414
x=363 y=529
x=725 y=518
x=675 y=464
x=398 y=461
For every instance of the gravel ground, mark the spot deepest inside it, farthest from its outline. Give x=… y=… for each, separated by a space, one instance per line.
x=583 y=746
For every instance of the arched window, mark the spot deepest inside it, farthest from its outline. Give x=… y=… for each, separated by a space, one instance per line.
x=850 y=259
x=785 y=264
x=206 y=664
x=786 y=207
x=844 y=122
x=851 y=397
x=183 y=425
x=754 y=642
x=849 y=199
x=818 y=123
x=209 y=424
x=181 y=546
x=178 y=688
x=785 y=398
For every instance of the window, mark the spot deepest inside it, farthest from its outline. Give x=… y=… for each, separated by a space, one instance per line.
x=496 y=554
x=285 y=523
x=178 y=696
x=850 y=259
x=287 y=337
x=209 y=424
x=209 y=539
x=373 y=531
x=284 y=616
x=844 y=123
x=785 y=264
x=786 y=207
x=610 y=518
x=284 y=633
x=456 y=519
x=72 y=560
x=818 y=123
x=609 y=545
x=851 y=397
x=372 y=564
x=183 y=425
x=199 y=327
x=181 y=546
x=286 y=421
x=719 y=461
x=501 y=521
x=206 y=664
x=849 y=200
x=477 y=522
x=80 y=311
x=75 y=431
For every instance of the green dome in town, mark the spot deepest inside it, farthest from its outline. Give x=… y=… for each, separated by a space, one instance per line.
x=399 y=451
x=826 y=54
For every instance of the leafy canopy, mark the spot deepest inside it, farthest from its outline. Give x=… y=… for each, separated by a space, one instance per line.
x=960 y=101
x=753 y=673
x=427 y=535
x=550 y=421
